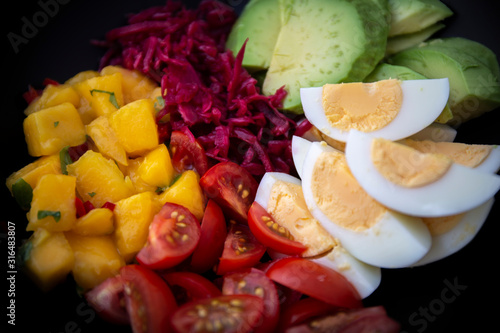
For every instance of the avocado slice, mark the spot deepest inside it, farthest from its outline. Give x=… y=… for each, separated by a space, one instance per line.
x=325 y=41
x=410 y=16
x=260 y=22
x=405 y=41
x=386 y=71
x=474 y=87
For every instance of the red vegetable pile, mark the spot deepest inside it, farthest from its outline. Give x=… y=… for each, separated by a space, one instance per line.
x=207 y=92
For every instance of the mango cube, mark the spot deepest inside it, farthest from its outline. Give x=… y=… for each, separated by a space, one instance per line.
x=133 y=216
x=81 y=76
x=53 y=204
x=49 y=130
x=32 y=172
x=105 y=140
x=53 y=95
x=97 y=222
x=99 y=179
x=49 y=258
x=135 y=127
x=96 y=259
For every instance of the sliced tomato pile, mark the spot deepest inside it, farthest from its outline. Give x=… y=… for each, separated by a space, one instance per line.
x=215 y=275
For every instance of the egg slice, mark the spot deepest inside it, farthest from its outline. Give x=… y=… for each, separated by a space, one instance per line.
x=436 y=132
x=392 y=109
x=369 y=231
x=414 y=183
x=300 y=147
x=452 y=233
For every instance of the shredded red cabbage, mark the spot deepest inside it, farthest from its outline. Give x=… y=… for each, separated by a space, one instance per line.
x=206 y=90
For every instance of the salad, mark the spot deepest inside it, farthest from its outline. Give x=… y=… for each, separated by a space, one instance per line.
x=216 y=135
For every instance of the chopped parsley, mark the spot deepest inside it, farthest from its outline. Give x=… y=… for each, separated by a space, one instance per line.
x=46 y=213
x=23 y=193
x=112 y=96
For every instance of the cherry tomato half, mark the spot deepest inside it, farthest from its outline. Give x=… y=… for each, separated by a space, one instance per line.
x=187 y=153
x=255 y=282
x=270 y=233
x=303 y=310
x=227 y=314
x=188 y=286
x=148 y=299
x=232 y=187
x=211 y=243
x=107 y=299
x=173 y=236
x=241 y=250
x=315 y=280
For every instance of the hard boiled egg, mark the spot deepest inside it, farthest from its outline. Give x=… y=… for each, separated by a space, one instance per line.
x=415 y=183
x=366 y=229
x=392 y=109
x=300 y=147
x=436 y=132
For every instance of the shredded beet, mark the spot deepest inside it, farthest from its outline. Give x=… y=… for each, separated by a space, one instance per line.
x=206 y=90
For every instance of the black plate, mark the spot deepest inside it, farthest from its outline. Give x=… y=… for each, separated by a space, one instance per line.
x=446 y=296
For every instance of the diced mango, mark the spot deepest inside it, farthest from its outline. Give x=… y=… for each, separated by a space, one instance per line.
x=96 y=259
x=53 y=204
x=97 y=222
x=186 y=191
x=103 y=93
x=49 y=130
x=133 y=216
x=135 y=85
x=105 y=140
x=153 y=171
x=99 y=179
x=49 y=258
x=82 y=76
x=53 y=95
x=135 y=127
x=32 y=172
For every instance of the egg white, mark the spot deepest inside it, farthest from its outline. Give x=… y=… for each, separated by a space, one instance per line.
x=436 y=132
x=395 y=241
x=423 y=101
x=300 y=147
x=458 y=190
x=491 y=163
x=459 y=236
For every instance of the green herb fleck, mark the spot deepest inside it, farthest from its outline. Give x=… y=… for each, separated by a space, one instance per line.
x=112 y=96
x=24 y=253
x=175 y=179
x=65 y=159
x=23 y=193
x=159 y=103
x=56 y=123
x=160 y=189
x=91 y=194
x=46 y=213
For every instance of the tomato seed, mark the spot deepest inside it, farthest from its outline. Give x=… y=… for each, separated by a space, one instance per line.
x=181 y=224
x=245 y=194
x=174 y=214
x=184 y=237
x=259 y=291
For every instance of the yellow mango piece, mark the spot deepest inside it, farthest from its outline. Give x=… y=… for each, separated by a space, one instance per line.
x=186 y=191
x=32 y=172
x=99 y=179
x=53 y=204
x=82 y=76
x=49 y=258
x=103 y=93
x=105 y=140
x=133 y=216
x=135 y=85
x=53 y=95
x=97 y=222
x=96 y=259
x=49 y=130
x=135 y=127
x=153 y=171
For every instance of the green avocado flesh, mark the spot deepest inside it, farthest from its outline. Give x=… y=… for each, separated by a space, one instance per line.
x=405 y=41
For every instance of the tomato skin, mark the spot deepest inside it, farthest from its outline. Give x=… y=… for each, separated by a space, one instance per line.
x=257 y=219
x=241 y=250
x=187 y=153
x=304 y=310
x=148 y=299
x=315 y=280
x=226 y=313
x=232 y=187
x=193 y=286
x=211 y=243
x=173 y=236
x=107 y=299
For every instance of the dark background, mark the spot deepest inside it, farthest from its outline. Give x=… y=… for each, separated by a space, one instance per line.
x=418 y=298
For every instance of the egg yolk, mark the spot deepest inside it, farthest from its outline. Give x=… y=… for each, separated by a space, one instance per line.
x=340 y=197
x=362 y=106
x=405 y=166
x=465 y=154
x=441 y=225
x=288 y=207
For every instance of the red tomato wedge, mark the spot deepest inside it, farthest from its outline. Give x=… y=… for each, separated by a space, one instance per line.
x=187 y=153
x=227 y=314
x=173 y=236
x=107 y=299
x=241 y=250
x=315 y=280
x=255 y=282
x=211 y=243
x=270 y=233
x=148 y=299
x=303 y=310
x=232 y=187
x=188 y=286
